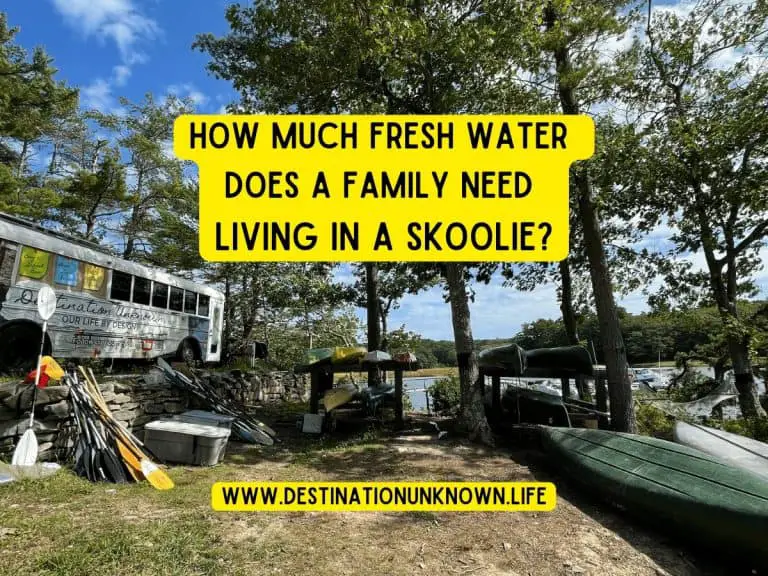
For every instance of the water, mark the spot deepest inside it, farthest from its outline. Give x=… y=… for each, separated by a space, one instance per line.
x=416 y=387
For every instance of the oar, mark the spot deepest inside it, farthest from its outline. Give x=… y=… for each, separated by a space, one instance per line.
x=109 y=460
x=132 y=463
x=154 y=475
x=26 y=450
x=94 y=471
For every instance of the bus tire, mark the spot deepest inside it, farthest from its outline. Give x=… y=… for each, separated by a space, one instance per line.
x=189 y=351
x=20 y=345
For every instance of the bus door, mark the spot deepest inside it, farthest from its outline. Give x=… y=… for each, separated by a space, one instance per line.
x=214 y=332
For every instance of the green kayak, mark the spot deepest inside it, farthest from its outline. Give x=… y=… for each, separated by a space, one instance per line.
x=669 y=484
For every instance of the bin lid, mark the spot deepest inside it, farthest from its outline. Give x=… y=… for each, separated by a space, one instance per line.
x=203 y=415
x=188 y=428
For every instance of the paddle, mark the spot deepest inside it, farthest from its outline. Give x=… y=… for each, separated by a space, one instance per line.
x=132 y=463
x=25 y=453
x=154 y=475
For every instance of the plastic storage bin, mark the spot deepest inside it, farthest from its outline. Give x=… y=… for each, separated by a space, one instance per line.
x=185 y=442
x=207 y=419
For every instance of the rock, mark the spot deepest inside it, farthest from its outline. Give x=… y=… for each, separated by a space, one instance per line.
x=108 y=396
x=125 y=415
x=18 y=427
x=152 y=408
x=121 y=399
x=154 y=378
x=106 y=388
x=59 y=410
x=120 y=387
x=173 y=407
x=129 y=406
x=7 y=414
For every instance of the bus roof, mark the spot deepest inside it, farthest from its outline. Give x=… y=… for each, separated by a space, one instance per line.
x=31 y=234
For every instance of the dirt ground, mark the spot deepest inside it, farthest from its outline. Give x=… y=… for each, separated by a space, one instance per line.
x=65 y=525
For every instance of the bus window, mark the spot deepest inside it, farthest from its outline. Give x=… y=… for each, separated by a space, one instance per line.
x=160 y=295
x=190 y=302
x=93 y=279
x=34 y=264
x=121 y=286
x=177 y=299
x=67 y=272
x=141 y=290
x=202 y=305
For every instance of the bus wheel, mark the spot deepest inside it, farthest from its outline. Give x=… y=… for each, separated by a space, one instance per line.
x=20 y=345
x=188 y=352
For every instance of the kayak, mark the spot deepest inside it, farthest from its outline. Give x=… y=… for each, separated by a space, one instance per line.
x=705 y=499
x=339 y=396
x=732 y=449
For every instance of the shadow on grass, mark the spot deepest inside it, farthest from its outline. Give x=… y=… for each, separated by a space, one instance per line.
x=368 y=453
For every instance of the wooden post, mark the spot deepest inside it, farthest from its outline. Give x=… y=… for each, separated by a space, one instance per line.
x=495 y=396
x=314 y=393
x=399 y=397
x=565 y=383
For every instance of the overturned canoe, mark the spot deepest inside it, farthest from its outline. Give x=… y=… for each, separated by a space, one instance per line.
x=732 y=449
x=674 y=485
x=556 y=362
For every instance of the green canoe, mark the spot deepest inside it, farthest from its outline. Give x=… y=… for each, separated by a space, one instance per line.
x=668 y=484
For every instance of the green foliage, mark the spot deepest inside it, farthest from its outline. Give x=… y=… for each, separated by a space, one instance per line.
x=756 y=428
x=691 y=386
x=445 y=394
x=653 y=422
x=31 y=104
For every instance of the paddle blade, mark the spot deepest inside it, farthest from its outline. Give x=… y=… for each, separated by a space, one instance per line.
x=155 y=476
x=130 y=460
x=26 y=450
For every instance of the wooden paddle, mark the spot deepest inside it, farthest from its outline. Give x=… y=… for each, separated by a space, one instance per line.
x=26 y=450
x=132 y=463
x=153 y=474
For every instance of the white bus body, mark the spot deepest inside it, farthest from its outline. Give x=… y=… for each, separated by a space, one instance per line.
x=106 y=307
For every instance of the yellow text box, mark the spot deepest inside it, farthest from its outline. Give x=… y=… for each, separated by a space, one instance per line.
x=384 y=188
x=383 y=496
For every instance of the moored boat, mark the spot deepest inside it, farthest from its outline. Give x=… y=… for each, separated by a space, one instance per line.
x=708 y=500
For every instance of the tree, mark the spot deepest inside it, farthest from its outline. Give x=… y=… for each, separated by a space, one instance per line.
x=425 y=57
x=706 y=147
x=155 y=175
x=395 y=280
x=32 y=102
x=557 y=44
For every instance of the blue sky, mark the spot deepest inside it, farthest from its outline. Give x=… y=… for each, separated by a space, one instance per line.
x=112 y=48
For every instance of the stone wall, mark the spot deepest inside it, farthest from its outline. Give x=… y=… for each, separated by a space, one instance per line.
x=249 y=388
x=133 y=402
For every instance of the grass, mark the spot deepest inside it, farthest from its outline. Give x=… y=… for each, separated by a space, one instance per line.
x=66 y=526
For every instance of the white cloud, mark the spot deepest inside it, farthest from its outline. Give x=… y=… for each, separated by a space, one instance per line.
x=120 y=74
x=98 y=96
x=188 y=90
x=117 y=20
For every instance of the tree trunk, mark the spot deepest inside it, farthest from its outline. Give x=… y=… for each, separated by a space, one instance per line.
x=749 y=400
x=619 y=387
x=617 y=372
x=472 y=418
x=569 y=321
x=372 y=310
